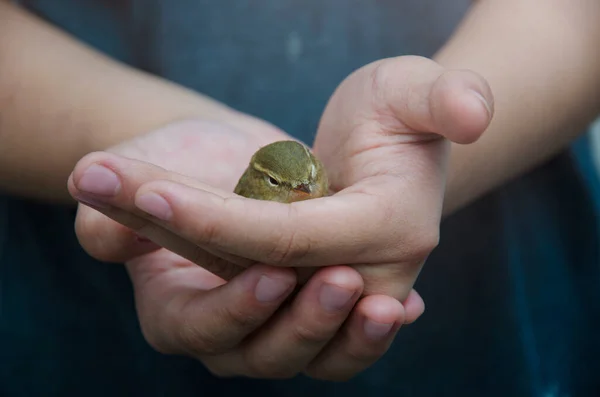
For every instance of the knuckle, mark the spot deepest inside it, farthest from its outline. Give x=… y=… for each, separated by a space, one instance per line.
x=378 y=76
x=212 y=263
x=426 y=242
x=201 y=341
x=210 y=228
x=209 y=231
x=364 y=356
x=239 y=319
x=291 y=247
x=416 y=246
x=168 y=333
x=197 y=341
x=283 y=251
x=269 y=367
x=310 y=336
x=382 y=76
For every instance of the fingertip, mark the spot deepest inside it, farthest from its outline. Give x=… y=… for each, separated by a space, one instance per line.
x=341 y=276
x=461 y=105
x=268 y=284
x=383 y=316
x=414 y=307
x=382 y=309
x=467 y=117
x=178 y=200
x=107 y=240
x=88 y=160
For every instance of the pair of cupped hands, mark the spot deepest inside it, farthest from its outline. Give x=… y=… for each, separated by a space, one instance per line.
x=215 y=275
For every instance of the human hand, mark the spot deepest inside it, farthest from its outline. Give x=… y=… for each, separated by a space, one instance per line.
x=384 y=140
x=380 y=139
x=241 y=328
x=235 y=327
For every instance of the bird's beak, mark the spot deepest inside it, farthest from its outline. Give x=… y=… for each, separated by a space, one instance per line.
x=305 y=191
x=304 y=188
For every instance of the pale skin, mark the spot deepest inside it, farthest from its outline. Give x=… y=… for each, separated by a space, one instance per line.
x=193 y=317
x=497 y=40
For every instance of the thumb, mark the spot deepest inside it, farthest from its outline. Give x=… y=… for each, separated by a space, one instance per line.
x=411 y=94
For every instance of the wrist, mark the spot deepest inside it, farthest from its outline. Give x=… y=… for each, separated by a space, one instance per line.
x=82 y=102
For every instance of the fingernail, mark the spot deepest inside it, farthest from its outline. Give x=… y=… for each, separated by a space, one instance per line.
x=484 y=102
x=377 y=331
x=334 y=298
x=99 y=181
x=155 y=205
x=270 y=289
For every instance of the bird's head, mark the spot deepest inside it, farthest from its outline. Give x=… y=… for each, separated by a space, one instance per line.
x=284 y=171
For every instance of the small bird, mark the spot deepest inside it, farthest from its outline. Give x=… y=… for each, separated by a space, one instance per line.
x=283 y=171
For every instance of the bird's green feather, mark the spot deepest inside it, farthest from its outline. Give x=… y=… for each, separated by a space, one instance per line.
x=283 y=171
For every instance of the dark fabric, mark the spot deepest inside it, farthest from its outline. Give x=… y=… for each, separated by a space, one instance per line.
x=511 y=293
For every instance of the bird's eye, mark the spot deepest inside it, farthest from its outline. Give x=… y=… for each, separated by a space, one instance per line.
x=272 y=181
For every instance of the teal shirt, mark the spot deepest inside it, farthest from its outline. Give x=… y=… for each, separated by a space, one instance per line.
x=512 y=293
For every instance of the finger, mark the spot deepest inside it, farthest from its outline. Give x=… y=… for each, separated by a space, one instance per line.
x=103 y=238
x=365 y=337
x=164 y=274
x=113 y=234
x=456 y=104
x=413 y=306
x=460 y=106
x=198 y=322
x=123 y=243
x=350 y=227
x=329 y=231
x=391 y=279
x=292 y=339
x=412 y=93
x=221 y=264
